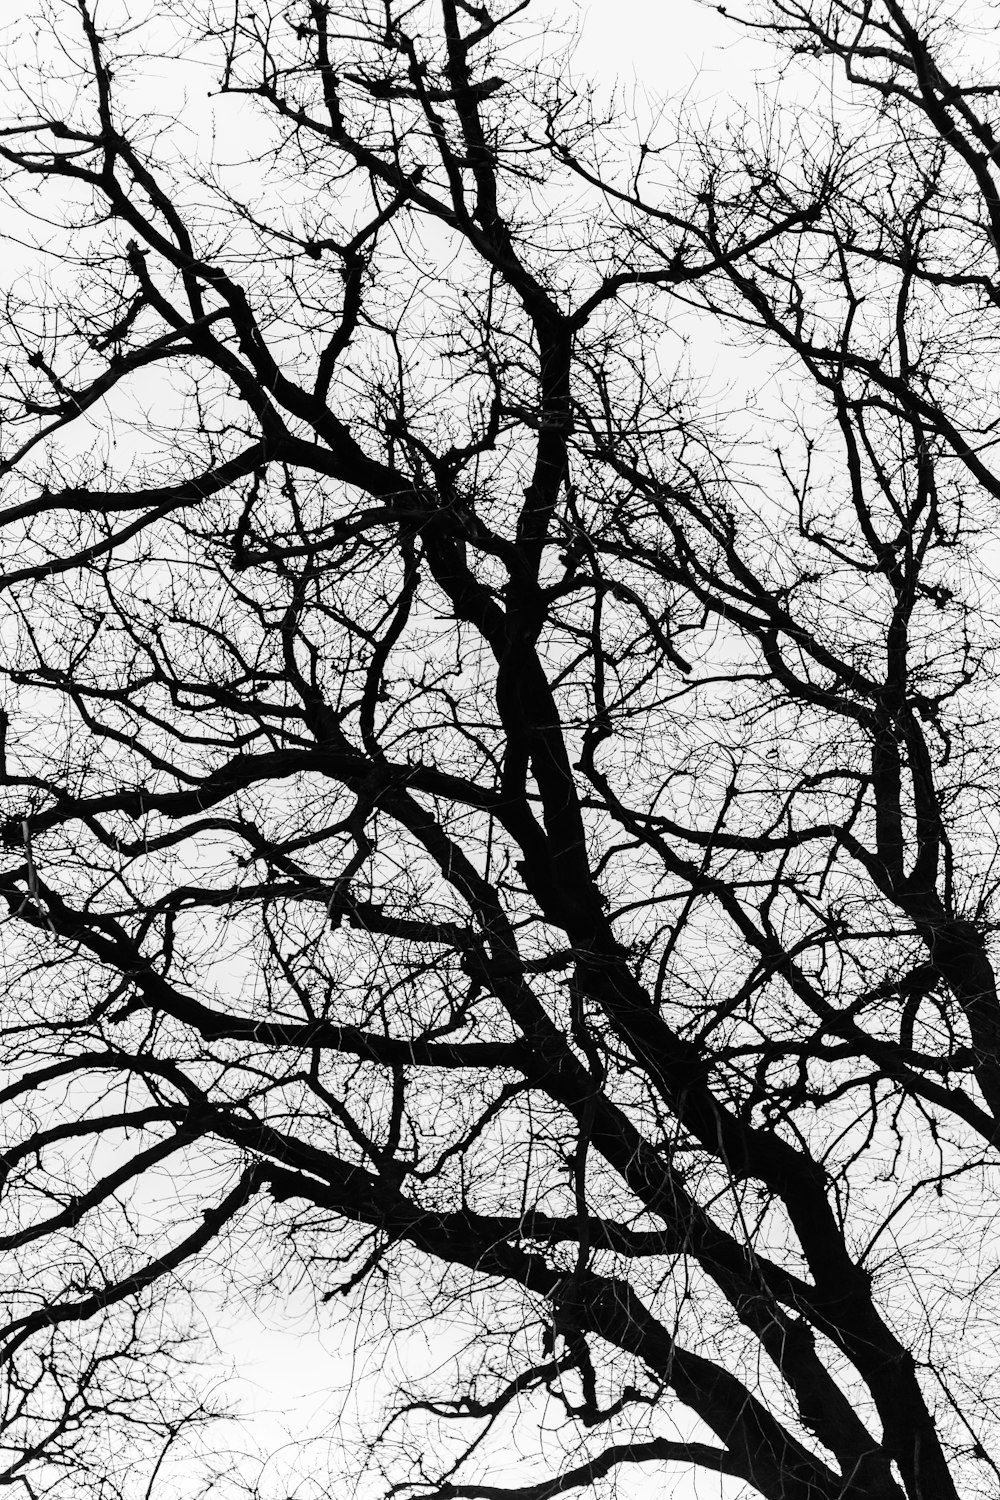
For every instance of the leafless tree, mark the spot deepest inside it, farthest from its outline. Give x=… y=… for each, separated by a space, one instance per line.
x=501 y=818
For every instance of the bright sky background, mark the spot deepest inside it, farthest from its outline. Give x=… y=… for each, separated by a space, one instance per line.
x=666 y=48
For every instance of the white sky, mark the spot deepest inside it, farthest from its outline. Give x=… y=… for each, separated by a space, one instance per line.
x=667 y=48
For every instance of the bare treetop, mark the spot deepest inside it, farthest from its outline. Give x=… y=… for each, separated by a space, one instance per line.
x=497 y=631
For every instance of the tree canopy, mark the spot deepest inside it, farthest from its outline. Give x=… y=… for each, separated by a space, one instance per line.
x=498 y=632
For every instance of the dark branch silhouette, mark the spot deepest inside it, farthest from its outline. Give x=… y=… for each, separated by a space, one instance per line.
x=480 y=810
